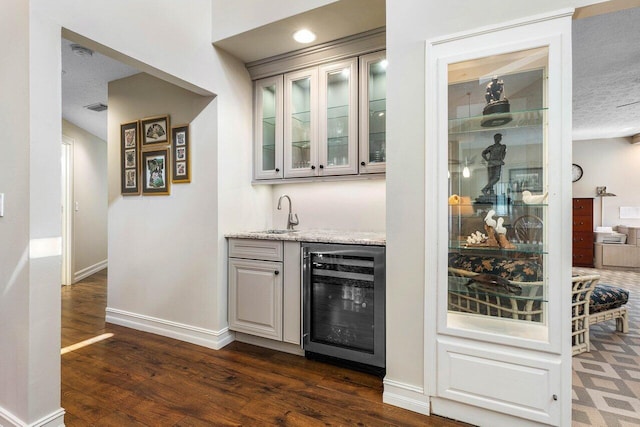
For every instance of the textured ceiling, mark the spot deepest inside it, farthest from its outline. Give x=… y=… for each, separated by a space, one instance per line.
x=84 y=82
x=606 y=78
x=606 y=75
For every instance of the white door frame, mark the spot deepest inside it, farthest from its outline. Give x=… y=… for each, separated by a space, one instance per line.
x=67 y=210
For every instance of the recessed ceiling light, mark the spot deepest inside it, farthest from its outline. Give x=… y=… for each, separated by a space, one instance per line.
x=304 y=36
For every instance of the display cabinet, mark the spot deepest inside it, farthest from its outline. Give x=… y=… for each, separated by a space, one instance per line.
x=321 y=116
x=373 y=112
x=497 y=192
x=500 y=148
x=268 y=128
x=326 y=120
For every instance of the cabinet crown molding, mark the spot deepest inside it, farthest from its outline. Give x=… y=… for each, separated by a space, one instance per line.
x=346 y=47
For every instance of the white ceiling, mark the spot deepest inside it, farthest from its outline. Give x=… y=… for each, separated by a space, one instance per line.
x=84 y=82
x=606 y=75
x=606 y=66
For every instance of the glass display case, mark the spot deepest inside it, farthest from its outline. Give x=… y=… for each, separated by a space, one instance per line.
x=497 y=192
x=268 y=128
x=373 y=112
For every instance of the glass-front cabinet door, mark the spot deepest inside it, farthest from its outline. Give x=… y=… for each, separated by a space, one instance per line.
x=301 y=123
x=497 y=194
x=373 y=112
x=498 y=130
x=268 y=128
x=338 y=141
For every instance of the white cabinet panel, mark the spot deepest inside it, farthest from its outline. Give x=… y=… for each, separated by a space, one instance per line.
x=499 y=379
x=255 y=297
x=266 y=250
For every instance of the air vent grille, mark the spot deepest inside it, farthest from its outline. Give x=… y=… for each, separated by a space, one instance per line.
x=96 y=107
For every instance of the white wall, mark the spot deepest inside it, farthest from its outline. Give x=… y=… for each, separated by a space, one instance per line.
x=158 y=245
x=336 y=205
x=14 y=226
x=409 y=24
x=90 y=195
x=612 y=163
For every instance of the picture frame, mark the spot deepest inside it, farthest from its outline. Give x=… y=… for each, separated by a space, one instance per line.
x=155 y=131
x=130 y=158
x=156 y=175
x=181 y=154
x=530 y=179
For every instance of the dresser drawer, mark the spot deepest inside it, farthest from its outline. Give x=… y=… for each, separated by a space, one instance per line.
x=582 y=239
x=582 y=224
x=583 y=256
x=583 y=207
x=267 y=250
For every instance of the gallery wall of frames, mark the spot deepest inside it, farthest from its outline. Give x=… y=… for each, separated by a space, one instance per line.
x=153 y=156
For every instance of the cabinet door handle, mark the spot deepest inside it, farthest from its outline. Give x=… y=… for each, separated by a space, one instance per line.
x=321 y=166
x=313 y=166
x=277 y=169
x=276 y=272
x=363 y=164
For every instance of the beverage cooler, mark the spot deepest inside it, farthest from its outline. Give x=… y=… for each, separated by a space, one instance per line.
x=344 y=304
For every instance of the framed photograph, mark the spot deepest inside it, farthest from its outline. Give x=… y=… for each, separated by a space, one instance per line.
x=155 y=130
x=129 y=158
x=526 y=179
x=181 y=154
x=156 y=179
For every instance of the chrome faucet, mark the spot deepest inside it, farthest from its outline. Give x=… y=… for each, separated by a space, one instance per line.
x=293 y=218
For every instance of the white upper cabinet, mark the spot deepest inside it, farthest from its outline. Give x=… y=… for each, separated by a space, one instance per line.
x=301 y=123
x=324 y=120
x=268 y=128
x=373 y=112
x=338 y=141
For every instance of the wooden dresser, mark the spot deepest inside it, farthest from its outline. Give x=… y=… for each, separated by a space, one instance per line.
x=583 y=232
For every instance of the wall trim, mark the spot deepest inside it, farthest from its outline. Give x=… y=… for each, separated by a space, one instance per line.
x=92 y=269
x=54 y=419
x=166 y=328
x=406 y=396
x=347 y=47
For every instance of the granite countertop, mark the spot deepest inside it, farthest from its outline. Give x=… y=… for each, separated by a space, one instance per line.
x=317 y=236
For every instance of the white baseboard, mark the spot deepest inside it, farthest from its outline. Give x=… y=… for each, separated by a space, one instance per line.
x=405 y=396
x=54 y=419
x=92 y=269
x=192 y=334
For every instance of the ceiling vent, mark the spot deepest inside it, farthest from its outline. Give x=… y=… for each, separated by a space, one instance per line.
x=81 y=50
x=635 y=139
x=96 y=107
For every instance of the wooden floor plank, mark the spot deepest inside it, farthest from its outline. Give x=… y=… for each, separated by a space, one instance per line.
x=138 y=379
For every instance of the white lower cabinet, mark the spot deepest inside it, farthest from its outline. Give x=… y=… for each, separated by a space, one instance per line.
x=264 y=289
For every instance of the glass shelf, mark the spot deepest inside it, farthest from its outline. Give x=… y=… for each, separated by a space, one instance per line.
x=520 y=119
x=460 y=289
x=269 y=121
x=302 y=116
x=520 y=248
x=301 y=144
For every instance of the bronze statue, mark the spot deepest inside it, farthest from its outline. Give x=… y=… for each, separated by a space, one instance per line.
x=497 y=105
x=494 y=156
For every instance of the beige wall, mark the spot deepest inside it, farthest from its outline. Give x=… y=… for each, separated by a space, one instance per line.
x=90 y=195
x=613 y=163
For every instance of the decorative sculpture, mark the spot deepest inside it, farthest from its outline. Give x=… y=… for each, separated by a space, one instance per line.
x=496 y=103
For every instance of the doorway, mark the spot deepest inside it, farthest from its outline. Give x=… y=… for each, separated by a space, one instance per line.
x=67 y=210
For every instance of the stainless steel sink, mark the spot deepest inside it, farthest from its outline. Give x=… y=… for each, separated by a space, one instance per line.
x=278 y=231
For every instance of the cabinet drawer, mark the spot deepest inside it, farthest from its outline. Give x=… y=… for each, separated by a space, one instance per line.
x=582 y=224
x=583 y=239
x=583 y=207
x=583 y=256
x=268 y=250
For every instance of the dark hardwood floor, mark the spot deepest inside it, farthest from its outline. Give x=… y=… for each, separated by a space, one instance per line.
x=138 y=379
